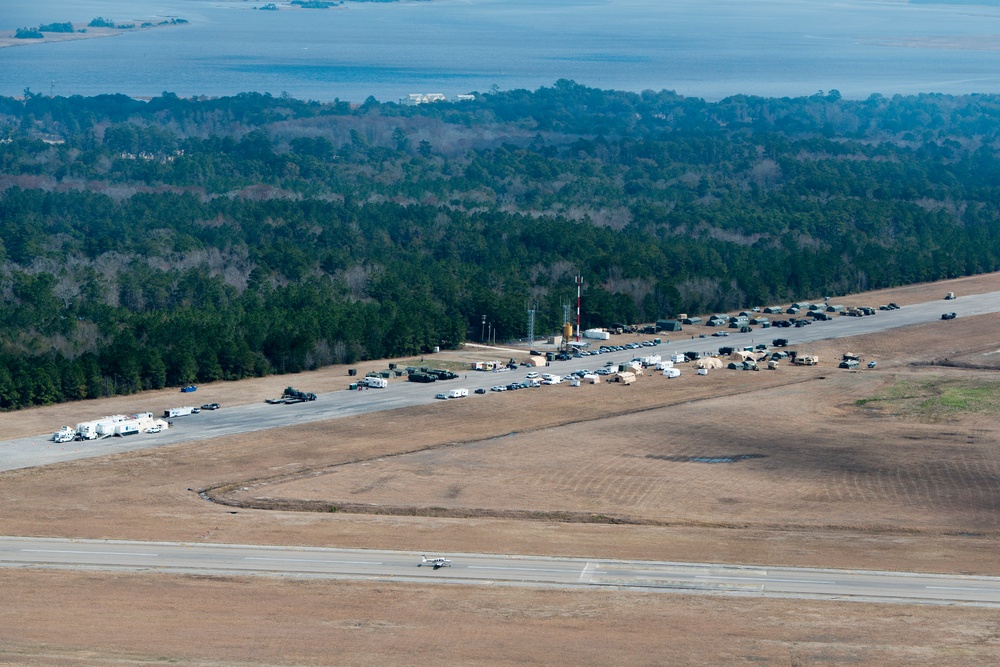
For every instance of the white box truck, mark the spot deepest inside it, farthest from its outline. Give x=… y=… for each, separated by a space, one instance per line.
x=65 y=434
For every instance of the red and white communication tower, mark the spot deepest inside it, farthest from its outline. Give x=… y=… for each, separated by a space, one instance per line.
x=579 y=287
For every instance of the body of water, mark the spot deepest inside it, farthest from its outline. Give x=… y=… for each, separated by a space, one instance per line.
x=702 y=48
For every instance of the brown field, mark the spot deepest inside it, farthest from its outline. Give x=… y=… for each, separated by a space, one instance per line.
x=599 y=471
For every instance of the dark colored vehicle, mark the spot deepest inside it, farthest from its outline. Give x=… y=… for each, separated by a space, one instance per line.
x=480 y=391
x=780 y=342
x=948 y=316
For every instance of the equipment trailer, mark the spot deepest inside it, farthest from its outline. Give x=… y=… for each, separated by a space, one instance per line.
x=292 y=395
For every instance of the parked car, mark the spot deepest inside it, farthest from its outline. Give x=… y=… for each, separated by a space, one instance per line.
x=481 y=390
x=948 y=316
x=211 y=406
x=441 y=396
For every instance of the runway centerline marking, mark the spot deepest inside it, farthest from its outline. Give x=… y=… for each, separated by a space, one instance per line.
x=958 y=588
x=518 y=569
x=769 y=581
x=89 y=553
x=309 y=560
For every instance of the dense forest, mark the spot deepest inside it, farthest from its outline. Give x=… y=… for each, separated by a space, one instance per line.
x=153 y=243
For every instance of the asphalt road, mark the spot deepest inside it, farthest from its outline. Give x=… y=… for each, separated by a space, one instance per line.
x=40 y=450
x=484 y=569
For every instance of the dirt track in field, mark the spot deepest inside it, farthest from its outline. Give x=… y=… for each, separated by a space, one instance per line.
x=815 y=480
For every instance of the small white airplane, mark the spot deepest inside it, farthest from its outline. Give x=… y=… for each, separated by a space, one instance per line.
x=435 y=562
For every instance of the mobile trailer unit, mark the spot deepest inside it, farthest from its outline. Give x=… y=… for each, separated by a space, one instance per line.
x=596 y=334
x=178 y=412
x=113 y=425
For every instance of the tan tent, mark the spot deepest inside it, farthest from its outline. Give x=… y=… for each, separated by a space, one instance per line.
x=624 y=376
x=740 y=355
x=536 y=361
x=709 y=362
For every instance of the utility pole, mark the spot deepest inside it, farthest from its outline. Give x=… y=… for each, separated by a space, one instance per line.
x=482 y=332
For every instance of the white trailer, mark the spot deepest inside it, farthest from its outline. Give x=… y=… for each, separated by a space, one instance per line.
x=671 y=372
x=678 y=358
x=108 y=426
x=596 y=334
x=98 y=428
x=178 y=412
x=663 y=365
x=651 y=360
x=375 y=382
x=458 y=393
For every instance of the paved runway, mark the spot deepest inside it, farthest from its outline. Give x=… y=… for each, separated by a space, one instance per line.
x=40 y=450
x=484 y=569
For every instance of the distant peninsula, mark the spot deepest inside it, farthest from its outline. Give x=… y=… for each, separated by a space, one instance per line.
x=66 y=31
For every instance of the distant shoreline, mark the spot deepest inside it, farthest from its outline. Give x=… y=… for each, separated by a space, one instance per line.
x=7 y=38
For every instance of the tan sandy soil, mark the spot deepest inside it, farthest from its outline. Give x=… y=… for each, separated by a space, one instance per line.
x=134 y=619
x=811 y=460
x=836 y=486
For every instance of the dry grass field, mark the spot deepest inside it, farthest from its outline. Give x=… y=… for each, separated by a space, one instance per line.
x=895 y=468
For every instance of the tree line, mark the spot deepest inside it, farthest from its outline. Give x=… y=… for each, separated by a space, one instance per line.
x=159 y=243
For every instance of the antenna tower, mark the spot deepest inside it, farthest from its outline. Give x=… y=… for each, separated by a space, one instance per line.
x=579 y=288
x=531 y=325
